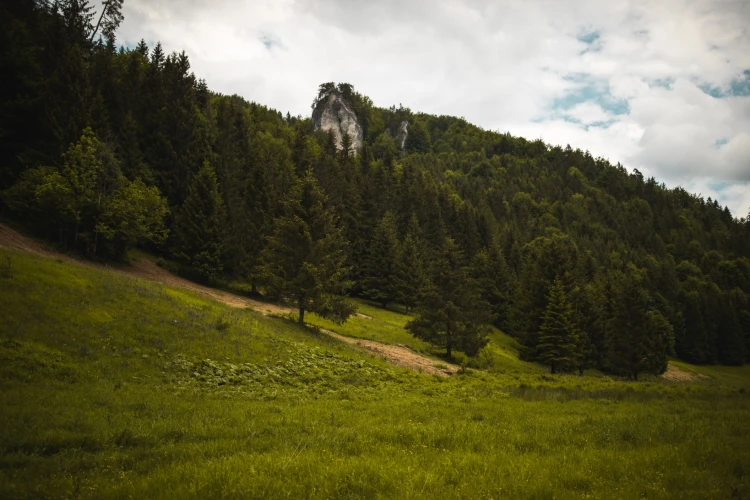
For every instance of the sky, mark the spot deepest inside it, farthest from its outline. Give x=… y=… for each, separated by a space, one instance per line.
x=662 y=86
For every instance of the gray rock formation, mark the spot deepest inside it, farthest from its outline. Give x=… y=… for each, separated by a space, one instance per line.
x=334 y=114
x=403 y=133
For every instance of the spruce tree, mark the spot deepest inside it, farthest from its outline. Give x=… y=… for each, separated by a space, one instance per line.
x=409 y=273
x=494 y=277
x=200 y=225
x=379 y=283
x=558 y=336
x=303 y=260
x=451 y=312
x=639 y=336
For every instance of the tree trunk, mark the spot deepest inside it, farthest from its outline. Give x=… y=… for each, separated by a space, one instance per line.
x=448 y=345
x=385 y=305
x=552 y=369
x=99 y=23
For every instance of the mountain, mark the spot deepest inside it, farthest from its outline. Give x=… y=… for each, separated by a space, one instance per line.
x=116 y=148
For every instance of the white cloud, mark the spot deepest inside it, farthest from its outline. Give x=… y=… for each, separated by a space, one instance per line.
x=501 y=65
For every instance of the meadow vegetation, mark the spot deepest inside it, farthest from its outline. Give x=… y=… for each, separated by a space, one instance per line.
x=115 y=387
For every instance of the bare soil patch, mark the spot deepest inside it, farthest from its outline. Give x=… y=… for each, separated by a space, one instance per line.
x=677 y=375
x=401 y=356
x=10 y=238
x=143 y=268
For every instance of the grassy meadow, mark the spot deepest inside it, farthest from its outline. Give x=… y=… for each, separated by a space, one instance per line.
x=115 y=387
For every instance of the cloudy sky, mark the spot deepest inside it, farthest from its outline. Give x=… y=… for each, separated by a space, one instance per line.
x=662 y=86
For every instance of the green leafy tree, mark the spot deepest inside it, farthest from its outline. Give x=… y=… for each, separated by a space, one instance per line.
x=559 y=338
x=133 y=214
x=451 y=312
x=303 y=260
x=418 y=139
x=385 y=149
x=91 y=172
x=71 y=198
x=200 y=226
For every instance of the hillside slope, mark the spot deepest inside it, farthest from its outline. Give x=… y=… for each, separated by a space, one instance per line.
x=113 y=387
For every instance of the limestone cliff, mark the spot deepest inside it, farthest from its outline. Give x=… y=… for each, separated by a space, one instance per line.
x=403 y=133
x=336 y=115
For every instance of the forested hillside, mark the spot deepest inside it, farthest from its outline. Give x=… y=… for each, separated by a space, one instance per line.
x=104 y=147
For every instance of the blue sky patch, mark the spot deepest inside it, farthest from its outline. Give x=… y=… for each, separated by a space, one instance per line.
x=741 y=86
x=665 y=83
x=593 y=90
x=589 y=38
x=593 y=41
x=738 y=87
x=270 y=41
x=720 y=186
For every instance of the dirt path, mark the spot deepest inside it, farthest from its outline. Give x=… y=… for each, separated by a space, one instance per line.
x=146 y=269
x=401 y=356
x=676 y=375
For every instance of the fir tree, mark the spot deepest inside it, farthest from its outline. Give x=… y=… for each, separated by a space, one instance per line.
x=379 y=283
x=303 y=260
x=409 y=268
x=558 y=345
x=199 y=230
x=451 y=312
x=639 y=336
x=494 y=277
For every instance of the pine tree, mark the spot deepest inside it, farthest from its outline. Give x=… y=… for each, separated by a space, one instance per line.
x=558 y=336
x=639 y=336
x=379 y=283
x=494 y=277
x=451 y=312
x=409 y=273
x=200 y=225
x=303 y=260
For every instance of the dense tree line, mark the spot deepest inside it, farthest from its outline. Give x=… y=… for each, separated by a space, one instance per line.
x=103 y=148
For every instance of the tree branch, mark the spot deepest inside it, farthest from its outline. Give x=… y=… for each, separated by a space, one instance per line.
x=99 y=22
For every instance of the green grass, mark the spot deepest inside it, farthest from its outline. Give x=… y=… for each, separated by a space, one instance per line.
x=375 y=323
x=113 y=387
x=734 y=376
x=387 y=326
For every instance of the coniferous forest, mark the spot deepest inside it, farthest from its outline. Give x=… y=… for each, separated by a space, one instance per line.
x=104 y=148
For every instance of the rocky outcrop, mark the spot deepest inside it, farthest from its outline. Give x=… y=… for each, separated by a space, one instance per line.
x=403 y=133
x=333 y=114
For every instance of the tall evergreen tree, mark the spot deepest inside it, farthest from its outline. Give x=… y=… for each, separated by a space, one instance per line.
x=559 y=339
x=200 y=226
x=379 y=283
x=303 y=260
x=409 y=272
x=451 y=312
x=640 y=337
